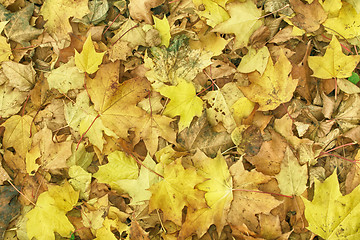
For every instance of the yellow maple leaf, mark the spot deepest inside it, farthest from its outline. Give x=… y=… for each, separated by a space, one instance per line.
x=48 y=216
x=152 y=128
x=17 y=133
x=355 y=4
x=218 y=196
x=212 y=11
x=115 y=102
x=254 y=60
x=332 y=7
x=176 y=191
x=66 y=77
x=183 y=102
x=209 y=41
x=244 y=21
x=57 y=24
x=119 y=167
x=162 y=25
x=346 y=24
x=88 y=60
x=331 y=215
x=5 y=49
x=274 y=87
x=334 y=64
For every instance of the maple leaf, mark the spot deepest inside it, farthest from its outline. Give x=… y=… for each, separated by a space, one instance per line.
x=88 y=60
x=141 y=9
x=138 y=189
x=219 y=105
x=272 y=88
x=80 y=181
x=48 y=216
x=308 y=16
x=176 y=191
x=331 y=7
x=66 y=77
x=218 y=196
x=176 y=62
x=332 y=215
x=18 y=29
x=346 y=24
x=293 y=177
x=183 y=102
x=119 y=167
x=162 y=25
x=17 y=133
x=248 y=203
x=355 y=4
x=5 y=49
x=20 y=76
x=52 y=155
x=11 y=100
x=57 y=24
x=213 y=12
x=153 y=127
x=334 y=64
x=254 y=60
x=130 y=32
x=244 y=21
x=116 y=103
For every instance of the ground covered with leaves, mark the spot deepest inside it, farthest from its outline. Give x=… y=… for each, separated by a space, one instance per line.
x=182 y=119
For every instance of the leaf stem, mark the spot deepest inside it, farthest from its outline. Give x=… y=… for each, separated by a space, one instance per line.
x=111 y=23
x=21 y=193
x=139 y=162
x=137 y=25
x=82 y=136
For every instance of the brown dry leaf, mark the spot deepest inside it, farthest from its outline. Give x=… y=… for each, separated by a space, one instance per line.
x=270 y=156
x=52 y=155
x=136 y=231
x=270 y=226
x=308 y=16
x=140 y=10
x=249 y=203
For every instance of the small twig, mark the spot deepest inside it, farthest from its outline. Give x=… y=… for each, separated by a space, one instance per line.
x=111 y=23
x=287 y=5
x=82 y=136
x=139 y=162
x=288 y=112
x=21 y=193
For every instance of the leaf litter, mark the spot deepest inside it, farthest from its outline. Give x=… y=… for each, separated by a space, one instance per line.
x=184 y=119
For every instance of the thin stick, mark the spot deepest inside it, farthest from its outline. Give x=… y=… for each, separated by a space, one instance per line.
x=287 y=5
x=82 y=136
x=139 y=162
x=21 y=193
x=111 y=23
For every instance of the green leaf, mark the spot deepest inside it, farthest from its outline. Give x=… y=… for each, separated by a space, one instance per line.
x=354 y=78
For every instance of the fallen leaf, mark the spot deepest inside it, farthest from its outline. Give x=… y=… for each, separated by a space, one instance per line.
x=88 y=60
x=355 y=4
x=17 y=133
x=330 y=214
x=212 y=11
x=162 y=25
x=308 y=16
x=246 y=202
x=218 y=196
x=176 y=191
x=334 y=64
x=140 y=10
x=20 y=76
x=58 y=24
x=245 y=19
x=292 y=177
x=11 y=100
x=274 y=87
x=18 y=29
x=119 y=167
x=183 y=102
x=9 y=207
x=5 y=49
x=66 y=77
x=138 y=189
x=116 y=103
x=48 y=216
x=346 y=23
x=254 y=60
x=80 y=181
